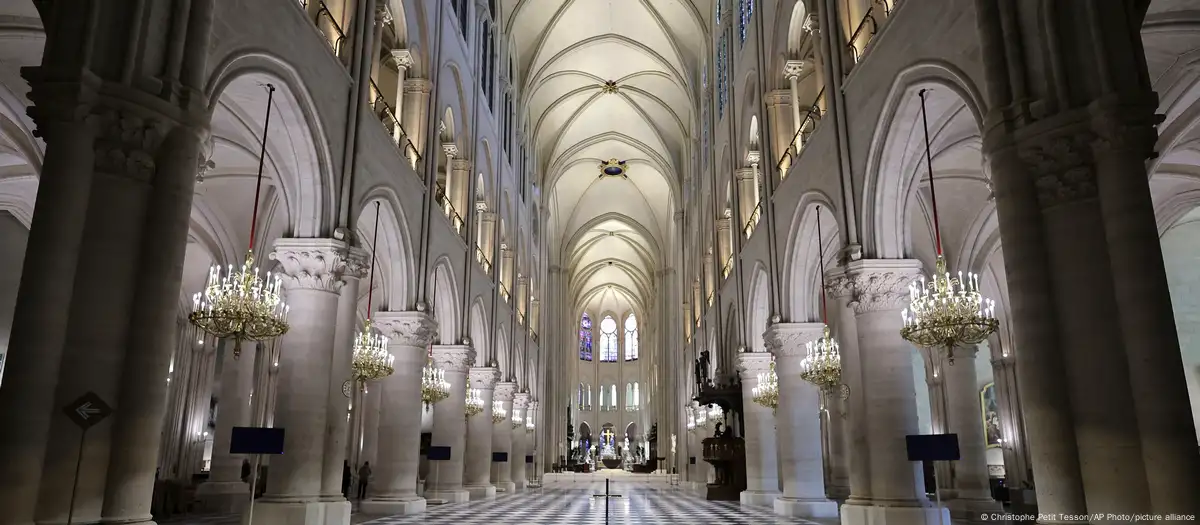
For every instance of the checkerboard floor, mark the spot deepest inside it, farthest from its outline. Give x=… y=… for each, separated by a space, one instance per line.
x=576 y=504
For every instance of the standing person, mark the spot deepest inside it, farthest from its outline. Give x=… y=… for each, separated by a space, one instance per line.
x=364 y=477
x=346 y=479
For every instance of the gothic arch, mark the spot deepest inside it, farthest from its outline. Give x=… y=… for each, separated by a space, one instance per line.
x=484 y=352
x=445 y=294
x=394 y=253
x=758 y=314
x=883 y=207
x=800 y=289
x=298 y=147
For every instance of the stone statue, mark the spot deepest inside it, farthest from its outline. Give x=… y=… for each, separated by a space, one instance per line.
x=704 y=366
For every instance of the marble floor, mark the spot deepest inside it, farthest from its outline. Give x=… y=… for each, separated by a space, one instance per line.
x=575 y=502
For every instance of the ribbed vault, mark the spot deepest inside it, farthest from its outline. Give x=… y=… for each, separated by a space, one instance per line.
x=612 y=232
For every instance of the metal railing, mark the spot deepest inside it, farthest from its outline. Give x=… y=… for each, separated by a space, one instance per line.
x=391 y=124
x=504 y=293
x=332 y=30
x=710 y=298
x=808 y=125
x=727 y=267
x=520 y=318
x=483 y=261
x=456 y=220
x=755 y=215
x=865 y=32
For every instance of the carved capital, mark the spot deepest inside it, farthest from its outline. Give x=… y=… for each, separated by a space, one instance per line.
x=753 y=363
x=358 y=263
x=1062 y=166
x=418 y=85
x=744 y=174
x=881 y=284
x=403 y=58
x=451 y=150
x=383 y=15
x=460 y=165
x=311 y=264
x=520 y=400
x=453 y=358
x=505 y=391
x=1127 y=130
x=812 y=24
x=412 y=329
x=778 y=98
x=788 y=339
x=794 y=68
x=483 y=378
x=127 y=141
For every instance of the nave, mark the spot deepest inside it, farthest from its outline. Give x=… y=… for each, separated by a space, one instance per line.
x=574 y=502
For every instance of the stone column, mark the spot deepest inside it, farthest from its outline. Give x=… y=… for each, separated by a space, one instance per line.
x=502 y=438
x=780 y=104
x=798 y=422
x=1125 y=139
x=522 y=298
x=973 y=494
x=383 y=17
x=477 y=476
x=746 y=190
x=762 y=483
x=355 y=264
x=225 y=492
x=372 y=401
x=312 y=276
x=724 y=241
x=531 y=439
x=393 y=485
x=458 y=186
x=516 y=460
x=445 y=481
x=404 y=60
x=416 y=102
x=791 y=71
x=838 y=455
x=506 y=268
x=934 y=361
x=487 y=236
x=880 y=291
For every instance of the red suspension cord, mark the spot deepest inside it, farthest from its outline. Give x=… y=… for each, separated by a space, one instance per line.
x=262 y=157
x=937 y=228
x=371 y=279
x=821 y=262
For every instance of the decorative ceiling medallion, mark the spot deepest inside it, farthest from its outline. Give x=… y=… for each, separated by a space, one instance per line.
x=613 y=168
x=609 y=87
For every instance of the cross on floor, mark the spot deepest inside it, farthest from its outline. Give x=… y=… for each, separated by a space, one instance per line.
x=607 y=496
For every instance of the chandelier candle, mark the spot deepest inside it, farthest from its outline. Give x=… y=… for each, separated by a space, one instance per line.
x=945 y=311
x=371 y=358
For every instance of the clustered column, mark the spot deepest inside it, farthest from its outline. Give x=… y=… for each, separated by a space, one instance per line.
x=762 y=483
x=445 y=481
x=516 y=460
x=531 y=440
x=798 y=422
x=502 y=442
x=393 y=487
x=477 y=472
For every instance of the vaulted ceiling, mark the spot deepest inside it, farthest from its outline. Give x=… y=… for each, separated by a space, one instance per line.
x=612 y=232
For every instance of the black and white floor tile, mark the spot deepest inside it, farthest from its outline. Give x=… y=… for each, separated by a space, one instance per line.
x=577 y=504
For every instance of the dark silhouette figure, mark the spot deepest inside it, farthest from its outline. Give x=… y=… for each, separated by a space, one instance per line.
x=346 y=474
x=364 y=478
x=246 y=470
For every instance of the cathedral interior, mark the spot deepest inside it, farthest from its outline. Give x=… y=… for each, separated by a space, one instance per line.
x=868 y=262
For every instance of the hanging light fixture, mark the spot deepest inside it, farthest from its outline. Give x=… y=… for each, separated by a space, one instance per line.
x=822 y=363
x=517 y=421
x=241 y=305
x=474 y=402
x=715 y=414
x=434 y=386
x=946 y=311
x=371 y=358
x=766 y=393
x=529 y=427
x=498 y=412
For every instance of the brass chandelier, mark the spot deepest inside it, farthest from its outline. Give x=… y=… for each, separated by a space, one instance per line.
x=242 y=305
x=517 y=421
x=822 y=363
x=434 y=386
x=499 y=414
x=371 y=358
x=474 y=402
x=946 y=311
x=766 y=392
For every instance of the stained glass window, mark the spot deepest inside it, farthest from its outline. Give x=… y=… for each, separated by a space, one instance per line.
x=612 y=400
x=718 y=17
x=722 y=75
x=585 y=338
x=608 y=340
x=631 y=338
x=629 y=396
x=745 y=12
